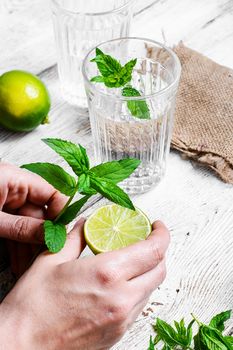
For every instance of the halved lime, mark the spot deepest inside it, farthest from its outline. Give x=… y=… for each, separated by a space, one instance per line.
x=113 y=227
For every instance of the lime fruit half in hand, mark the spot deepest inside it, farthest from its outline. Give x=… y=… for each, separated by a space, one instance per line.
x=113 y=227
x=24 y=101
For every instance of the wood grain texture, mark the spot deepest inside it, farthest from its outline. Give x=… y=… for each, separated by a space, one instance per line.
x=196 y=206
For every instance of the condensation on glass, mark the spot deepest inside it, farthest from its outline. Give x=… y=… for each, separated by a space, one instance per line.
x=80 y=25
x=116 y=133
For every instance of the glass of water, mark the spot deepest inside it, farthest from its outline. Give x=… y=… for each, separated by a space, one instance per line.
x=80 y=25
x=116 y=132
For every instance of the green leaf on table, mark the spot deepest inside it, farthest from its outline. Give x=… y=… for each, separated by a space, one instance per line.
x=189 y=333
x=138 y=108
x=55 y=236
x=112 y=192
x=74 y=155
x=116 y=171
x=229 y=340
x=55 y=175
x=166 y=332
x=72 y=211
x=209 y=338
x=166 y=347
x=84 y=186
x=181 y=336
x=151 y=344
x=218 y=320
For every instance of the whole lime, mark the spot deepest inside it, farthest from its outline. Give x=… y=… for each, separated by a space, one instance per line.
x=24 y=101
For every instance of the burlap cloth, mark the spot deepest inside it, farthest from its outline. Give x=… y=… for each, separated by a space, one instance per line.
x=203 y=128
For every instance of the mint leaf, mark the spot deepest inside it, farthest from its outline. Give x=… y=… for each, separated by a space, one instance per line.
x=116 y=171
x=72 y=211
x=84 y=185
x=98 y=52
x=54 y=175
x=190 y=332
x=55 y=236
x=218 y=320
x=166 y=347
x=126 y=72
x=151 y=344
x=229 y=340
x=113 y=74
x=75 y=155
x=112 y=192
x=166 y=333
x=97 y=79
x=210 y=339
x=138 y=108
x=106 y=64
x=181 y=337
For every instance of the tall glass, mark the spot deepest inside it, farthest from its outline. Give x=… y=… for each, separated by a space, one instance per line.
x=80 y=25
x=116 y=132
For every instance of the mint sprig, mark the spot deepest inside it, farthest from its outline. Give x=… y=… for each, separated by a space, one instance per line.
x=114 y=75
x=138 y=108
x=87 y=181
x=208 y=337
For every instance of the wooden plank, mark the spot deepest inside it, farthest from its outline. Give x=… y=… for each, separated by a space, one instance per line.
x=196 y=205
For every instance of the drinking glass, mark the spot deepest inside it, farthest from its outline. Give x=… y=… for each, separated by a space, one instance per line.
x=116 y=132
x=80 y=25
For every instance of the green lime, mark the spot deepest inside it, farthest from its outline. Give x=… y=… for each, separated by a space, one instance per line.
x=113 y=227
x=24 y=101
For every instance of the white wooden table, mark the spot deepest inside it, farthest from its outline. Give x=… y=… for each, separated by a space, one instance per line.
x=196 y=206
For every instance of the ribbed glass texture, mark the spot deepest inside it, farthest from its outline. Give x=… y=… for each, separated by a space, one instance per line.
x=78 y=26
x=116 y=133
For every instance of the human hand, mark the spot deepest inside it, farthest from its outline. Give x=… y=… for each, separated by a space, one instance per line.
x=89 y=303
x=25 y=201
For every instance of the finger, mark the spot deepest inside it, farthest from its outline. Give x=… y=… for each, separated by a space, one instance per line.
x=21 y=228
x=74 y=245
x=142 y=286
x=141 y=257
x=31 y=187
x=32 y=210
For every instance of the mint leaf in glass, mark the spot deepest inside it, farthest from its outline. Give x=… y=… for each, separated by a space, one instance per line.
x=138 y=108
x=55 y=175
x=113 y=74
x=55 y=236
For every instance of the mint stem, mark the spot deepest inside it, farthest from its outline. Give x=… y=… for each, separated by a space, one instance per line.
x=194 y=317
x=65 y=207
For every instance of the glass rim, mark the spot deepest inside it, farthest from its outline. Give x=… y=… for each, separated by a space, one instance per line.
x=103 y=13
x=134 y=98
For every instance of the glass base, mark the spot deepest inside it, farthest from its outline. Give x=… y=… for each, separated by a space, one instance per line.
x=80 y=102
x=142 y=184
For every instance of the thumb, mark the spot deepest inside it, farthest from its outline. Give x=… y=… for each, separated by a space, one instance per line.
x=74 y=245
x=21 y=228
